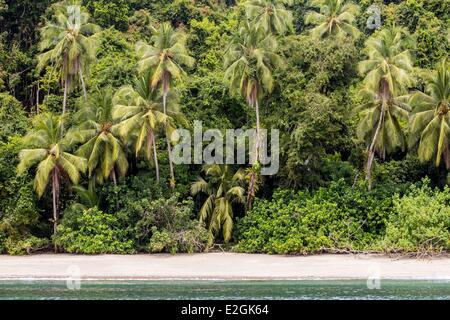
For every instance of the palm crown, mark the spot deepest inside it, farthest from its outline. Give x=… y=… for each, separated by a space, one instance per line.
x=223 y=189
x=335 y=17
x=98 y=133
x=46 y=148
x=140 y=111
x=430 y=120
x=165 y=56
x=249 y=62
x=271 y=15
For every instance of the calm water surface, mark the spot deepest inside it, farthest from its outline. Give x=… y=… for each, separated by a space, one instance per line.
x=136 y=290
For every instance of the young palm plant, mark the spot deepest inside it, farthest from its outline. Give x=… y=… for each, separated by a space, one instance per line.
x=68 y=43
x=139 y=110
x=271 y=15
x=387 y=75
x=223 y=189
x=335 y=18
x=249 y=63
x=50 y=152
x=165 y=58
x=99 y=136
x=430 y=119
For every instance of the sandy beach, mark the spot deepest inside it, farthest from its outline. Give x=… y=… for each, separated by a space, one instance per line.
x=221 y=266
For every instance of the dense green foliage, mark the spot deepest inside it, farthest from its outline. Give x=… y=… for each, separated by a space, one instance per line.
x=338 y=216
x=88 y=105
x=421 y=221
x=93 y=231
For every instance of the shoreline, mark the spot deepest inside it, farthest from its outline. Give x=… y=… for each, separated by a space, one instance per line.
x=221 y=266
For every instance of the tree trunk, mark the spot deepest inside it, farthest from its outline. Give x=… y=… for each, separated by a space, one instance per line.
x=37 y=98
x=82 y=83
x=258 y=129
x=112 y=175
x=66 y=89
x=447 y=156
x=155 y=158
x=169 y=148
x=251 y=190
x=252 y=182
x=385 y=94
x=55 y=194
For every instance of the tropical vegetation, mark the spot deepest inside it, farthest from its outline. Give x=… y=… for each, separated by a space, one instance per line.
x=92 y=94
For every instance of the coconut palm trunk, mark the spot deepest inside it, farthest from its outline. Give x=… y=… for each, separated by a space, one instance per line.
x=385 y=94
x=55 y=194
x=38 y=91
x=169 y=148
x=66 y=89
x=371 y=152
x=80 y=72
x=252 y=179
x=113 y=176
x=258 y=130
x=155 y=157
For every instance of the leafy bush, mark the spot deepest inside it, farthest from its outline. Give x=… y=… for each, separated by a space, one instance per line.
x=93 y=232
x=12 y=117
x=335 y=217
x=19 y=212
x=190 y=240
x=169 y=228
x=24 y=245
x=421 y=222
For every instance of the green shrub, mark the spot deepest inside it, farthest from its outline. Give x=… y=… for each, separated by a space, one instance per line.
x=421 y=222
x=12 y=117
x=189 y=240
x=335 y=217
x=166 y=226
x=25 y=245
x=93 y=232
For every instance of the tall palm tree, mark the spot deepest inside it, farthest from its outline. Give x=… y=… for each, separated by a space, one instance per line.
x=430 y=119
x=50 y=152
x=249 y=62
x=139 y=110
x=223 y=190
x=99 y=135
x=335 y=17
x=271 y=15
x=165 y=58
x=387 y=75
x=68 y=43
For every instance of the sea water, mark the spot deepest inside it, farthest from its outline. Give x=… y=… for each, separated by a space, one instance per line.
x=218 y=290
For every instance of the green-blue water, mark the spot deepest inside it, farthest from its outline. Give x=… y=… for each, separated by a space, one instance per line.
x=136 y=290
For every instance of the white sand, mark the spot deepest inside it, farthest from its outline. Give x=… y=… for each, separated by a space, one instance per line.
x=222 y=266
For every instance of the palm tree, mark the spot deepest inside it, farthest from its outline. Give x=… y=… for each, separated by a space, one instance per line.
x=271 y=15
x=140 y=113
x=387 y=75
x=335 y=17
x=99 y=135
x=249 y=62
x=68 y=44
x=46 y=148
x=165 y=58
x=223 y=190
x=430 y=120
